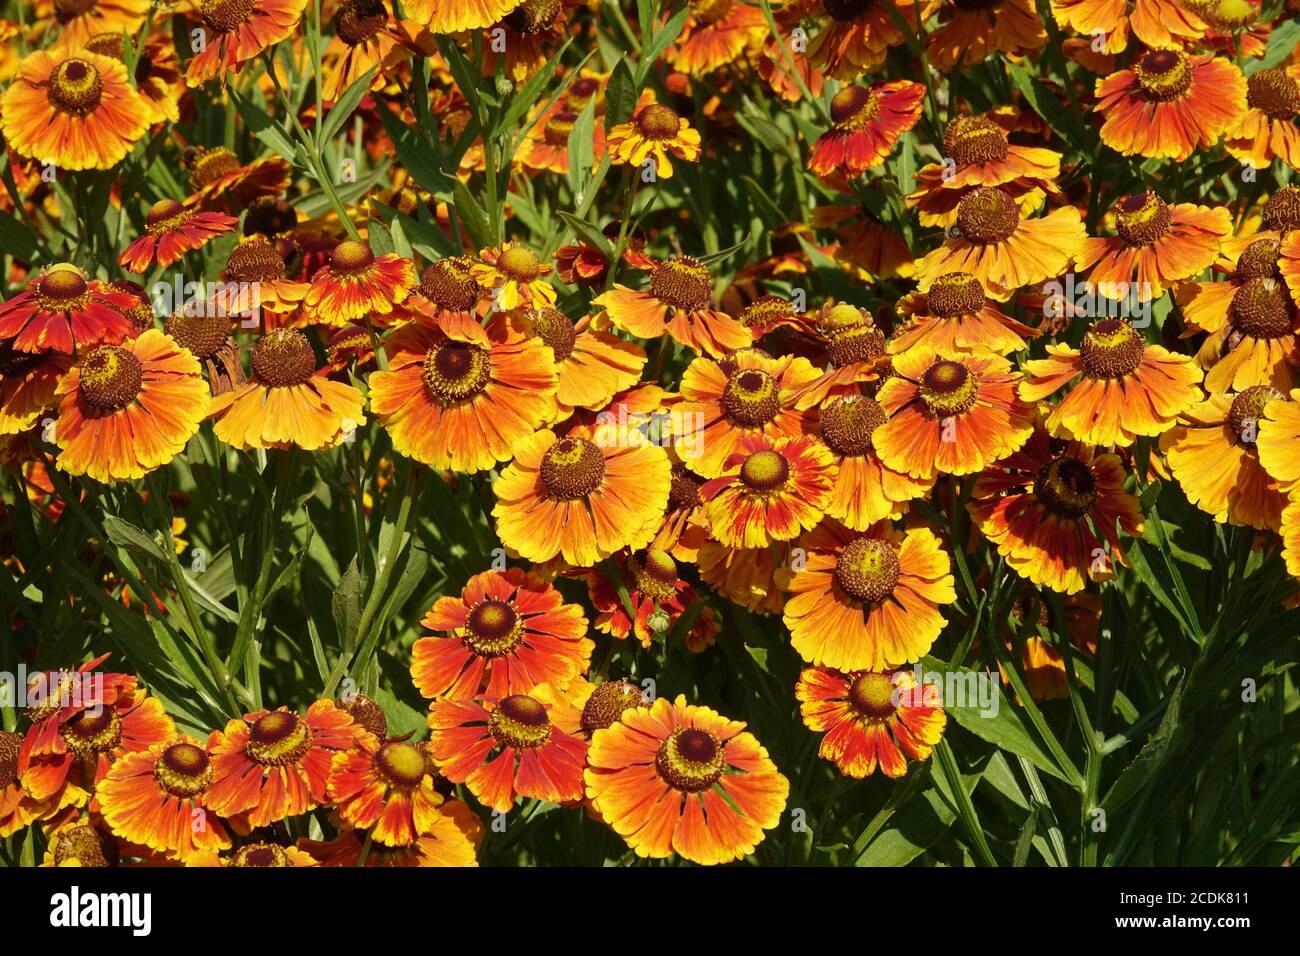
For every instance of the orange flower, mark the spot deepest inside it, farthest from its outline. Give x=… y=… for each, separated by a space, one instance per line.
x=744 y=576
x=716 y=33
x=1002 y=249
x=250 y=855
x=856 y=354
x=1170 y=103
x=865 y=490
x=171 y=230
x=968 y=33
x=868 y=122
x=508 y=632
x=1125 y=387
x=452 y=839
x=547 y=145
x=677 y=302
x=286 y=403
x=461 y=396
x=446 y=286
x=366 y=35
x=505 y=749
x=956 y=316
x=655 y=132
x=218 y=179
x=950 y=413
x=1055 y=517
x=385 y=788
x=1212 y=455
x=593 y=366
x=857 y=35
x=17 y=809
x=514 y=277
x=867 y=601
x=682 y=778
x=1156 y=23
x=752 y=395
x=769 y=490
x=658 y=597
x=685 y=526
x=77 y=22
x=870 y=718
x=1156 y=243
x=357 y=284
x=76 y=111
x=1277 y=442
x=981 y=156
x=579 y=498
x=127 y=409
x=258 y=286
x=237 y=31
x=1268 y=129
x=154 y=799
x=27 y=386
x=455 y=16
x=157 y=71
x=61 y=310
x=274 y=764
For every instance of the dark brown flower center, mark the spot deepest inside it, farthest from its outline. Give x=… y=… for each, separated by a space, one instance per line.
x=226 y=16
x=1282 y=211
x=456 y=371
x=766 y=311
x=854 y=107
x=278 y=738
x=1142 y=218
x=856 y=344
x=682 y=283
x=1164 y=74
x=1247 y=409
x=974 y=141
x=948 y=388
x=1066 y=487
x=987 y=215
x=872 y=695
x=845 y=10
x=183 y=770
x=572 y=468
x=269 y=216
x=85 y=846
x=751 y=398
x=1274 y=92
x=520 y=721
x=493 y=629
x=848 y=423
x=658 y=122
x=255 y=259
x=1111 y=349
x=283 y=357
x=955 y=294
x=366 y=713
x=447 y=284
x=867 y=570
x=684 y=491
x=87 y=733
x=75 y=87
x=557 y=129
x=359 y=20
x=10 y=744
x=1261 y=309
x=66 y=11
x=166 y=215
x=62 y=283
x=1259 y=261
x=260 y=855
x=208 y=165
x=14 y=364
x=554 y=328
x=691 y=760
x=111 y=377
x=608 y=702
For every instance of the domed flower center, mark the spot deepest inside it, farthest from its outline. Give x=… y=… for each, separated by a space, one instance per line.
x=658 y=122
x=365 y=712
x=955 y=294
x=684 y=491
x=1066 y=487
x=110 y=377
x=1282 y=211
x=1226 y=16
x=283 y=358
x=765 y=471
x=401 y=765
x=226 y=16
x=554 y=328
x=974 y=141
x=534 y=16
x=1274 y=92
x=456 y=371
x=855 y=344
x=845 y=10
x=682 y=283
x=854 y=107
x=209 y=165
x=359 y=20
x=85 y=846
x=75 y=87
x=520 y=721
x=1164 y=74
x=68 y=10
x=519 y=264
x=166 y=215
x=608 y=702
x=557 y=129
x=572 y=468
x=867 y=570
x=278 y=738
x=183 y=770
x=260 y=855
x=1247 y=409
x=269 y=216
x=255 y=259
x=1259 y=261
x=751 y=398
x=655 y=574
x=691 y=760
x=872 y=695
x=10 y=745
x=765 y=312
x=987 y=215
x=447 y=284
x=1261 y=309
x=948 y=388
x=1142 y=218
x=62 y=288
x=1111 y=349
x=201 y=335
x=848 y=423
x=87 y=733
x=840 y=318
x=350 y=257
x=105 y=44
x=493 y=629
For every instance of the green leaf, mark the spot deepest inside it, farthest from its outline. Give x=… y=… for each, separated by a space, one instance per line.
x=471 y=215
x=587 y=232
x=1046 y=104
x=620 y=95
x=582 y=151
x=524 y=100
x=659 y=42
x=264 y=127
x=1281 y=44
x=345 y=104
x=346 y=603
x=415 y=155
x=17 y=240
x=130 y=538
